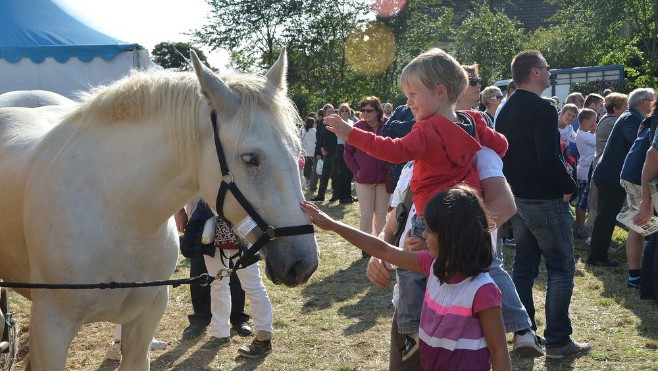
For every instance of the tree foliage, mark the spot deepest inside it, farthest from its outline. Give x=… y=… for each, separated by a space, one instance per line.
x=337 y=49
x=175 y=55
x=490 y=39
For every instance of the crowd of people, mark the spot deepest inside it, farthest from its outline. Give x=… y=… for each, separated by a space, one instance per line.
x=568 y=172
x=442 y=183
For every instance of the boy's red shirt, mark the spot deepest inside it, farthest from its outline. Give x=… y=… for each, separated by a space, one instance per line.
x=443 y=152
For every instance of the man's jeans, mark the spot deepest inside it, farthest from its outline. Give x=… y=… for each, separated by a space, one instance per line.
x=543 y=228
x=515 y=316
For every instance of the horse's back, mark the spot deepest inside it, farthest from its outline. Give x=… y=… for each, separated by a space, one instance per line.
x=21 y=132
x=33 y=98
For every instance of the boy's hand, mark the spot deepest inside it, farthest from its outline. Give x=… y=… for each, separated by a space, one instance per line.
x=316 y=216
x=336 y=125
x=415 y=244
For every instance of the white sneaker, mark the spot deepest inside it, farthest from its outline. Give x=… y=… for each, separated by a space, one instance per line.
x=157 y=344
x=527 y=345
x=114 y=351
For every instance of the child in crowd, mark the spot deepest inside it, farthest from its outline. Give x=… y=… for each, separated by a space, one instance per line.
x=586 y=143
x=443 y=142
x=227 y=247
x=567 y=116
x=461 y=325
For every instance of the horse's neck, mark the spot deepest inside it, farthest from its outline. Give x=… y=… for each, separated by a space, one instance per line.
x=142 y=177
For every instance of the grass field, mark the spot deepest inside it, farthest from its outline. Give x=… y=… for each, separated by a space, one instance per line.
x=339 y=321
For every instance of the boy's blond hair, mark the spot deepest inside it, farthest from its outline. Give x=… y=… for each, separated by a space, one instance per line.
x=433 y=68
x=586 y=114
x=569 y=107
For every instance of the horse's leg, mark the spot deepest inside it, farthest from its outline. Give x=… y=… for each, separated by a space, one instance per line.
x=51 y=333
x=137 y=334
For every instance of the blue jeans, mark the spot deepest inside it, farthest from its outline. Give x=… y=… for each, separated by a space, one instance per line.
x=543 y=228
x=515 y=316
x=411 y=287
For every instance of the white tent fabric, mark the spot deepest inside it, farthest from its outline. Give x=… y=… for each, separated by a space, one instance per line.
x=44 y=48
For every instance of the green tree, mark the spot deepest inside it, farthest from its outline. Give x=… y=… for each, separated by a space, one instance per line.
x=623 y=32
x=175 y=55
x=490 y=39
x=251 y=30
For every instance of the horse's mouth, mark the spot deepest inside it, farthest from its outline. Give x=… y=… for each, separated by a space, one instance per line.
x=289 y=279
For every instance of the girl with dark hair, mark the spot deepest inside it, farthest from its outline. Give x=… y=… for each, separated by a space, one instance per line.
x=461 y=324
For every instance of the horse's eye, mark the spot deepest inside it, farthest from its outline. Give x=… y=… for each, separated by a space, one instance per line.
x=249 y=159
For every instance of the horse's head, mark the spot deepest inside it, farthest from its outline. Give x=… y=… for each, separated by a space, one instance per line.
x=257 y=130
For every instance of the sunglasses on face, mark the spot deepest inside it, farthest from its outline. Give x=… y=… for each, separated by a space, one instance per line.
x=472 y=81
x=368 y=110
x=499 y=97
x=344 y=110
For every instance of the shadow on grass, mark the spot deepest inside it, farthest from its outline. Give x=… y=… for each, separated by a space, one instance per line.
x=344 y=285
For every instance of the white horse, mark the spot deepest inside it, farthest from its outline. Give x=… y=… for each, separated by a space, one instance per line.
x=33 y=98
x=87 y=192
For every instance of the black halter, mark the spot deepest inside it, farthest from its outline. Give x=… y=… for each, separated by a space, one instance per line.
x=268 y=232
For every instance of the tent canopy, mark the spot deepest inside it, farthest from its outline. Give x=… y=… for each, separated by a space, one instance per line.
x=38 y=29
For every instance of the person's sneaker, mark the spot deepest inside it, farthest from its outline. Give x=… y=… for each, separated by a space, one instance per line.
x=256 y=349
x=634 y=282
x=570 y=350
x=215 y=343
x=410 y=346
x=243 y=329
x=318 y=198
x=527 y=345
x=193 y=331
x=114 y=351
x=157 y=344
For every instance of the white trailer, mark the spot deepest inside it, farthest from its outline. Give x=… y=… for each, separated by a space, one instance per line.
x=563 y=78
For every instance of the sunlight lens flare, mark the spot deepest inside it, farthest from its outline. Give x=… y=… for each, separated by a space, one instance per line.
x=387 y=8
x=370 y=50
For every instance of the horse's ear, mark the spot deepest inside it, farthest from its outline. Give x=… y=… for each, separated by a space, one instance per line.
x=277 y=73
x=219 y=94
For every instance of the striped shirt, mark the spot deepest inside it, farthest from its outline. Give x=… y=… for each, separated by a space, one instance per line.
x=451 y=336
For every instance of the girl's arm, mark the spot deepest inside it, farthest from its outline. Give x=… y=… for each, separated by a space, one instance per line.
x=366 y=242
x=491 y=320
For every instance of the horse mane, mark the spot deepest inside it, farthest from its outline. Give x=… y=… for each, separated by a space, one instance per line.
x=255 y=91
x=176 y=95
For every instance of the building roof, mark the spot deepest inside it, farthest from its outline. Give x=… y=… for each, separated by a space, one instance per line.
x=38 y=29
x=531 y=13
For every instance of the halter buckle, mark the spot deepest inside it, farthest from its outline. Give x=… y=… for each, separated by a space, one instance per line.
x=222 y=273
x=227 y=178
x=269 y=232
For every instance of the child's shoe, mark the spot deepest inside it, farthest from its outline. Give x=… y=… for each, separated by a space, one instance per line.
x=256 y=349
x=410 y=346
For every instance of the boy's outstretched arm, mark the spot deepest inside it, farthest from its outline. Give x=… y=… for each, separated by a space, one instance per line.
x=370 y=244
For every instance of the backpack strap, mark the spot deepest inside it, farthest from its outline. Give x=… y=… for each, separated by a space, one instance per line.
x=653 y=123
x=467 y=123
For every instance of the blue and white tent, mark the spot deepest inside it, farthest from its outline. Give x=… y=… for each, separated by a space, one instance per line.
x=43 y=47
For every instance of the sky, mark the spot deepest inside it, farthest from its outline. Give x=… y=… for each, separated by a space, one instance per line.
x=145 y=22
